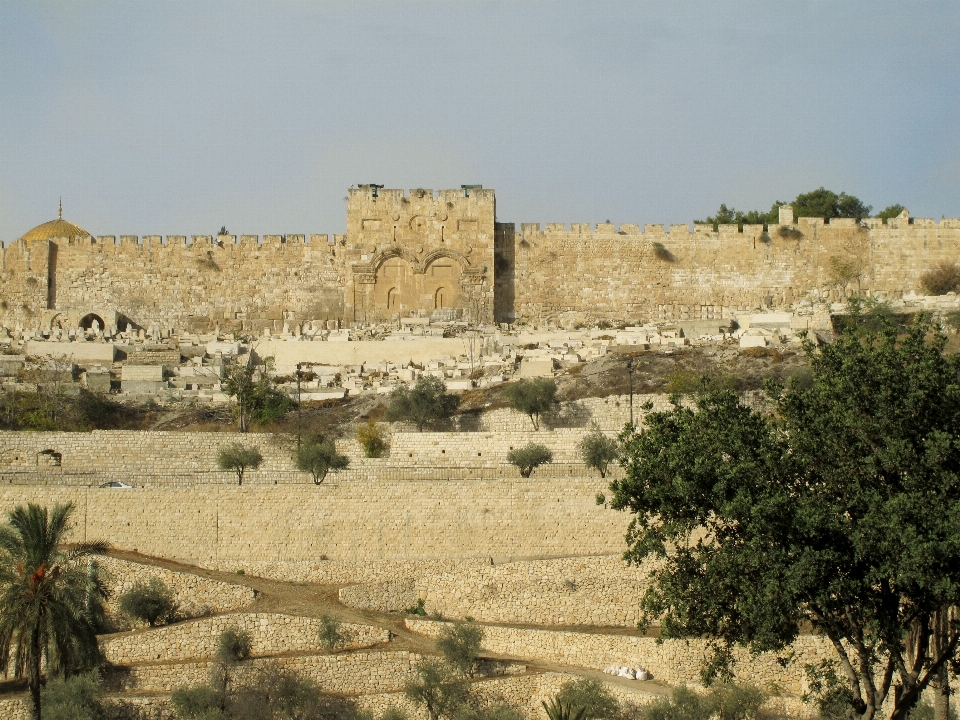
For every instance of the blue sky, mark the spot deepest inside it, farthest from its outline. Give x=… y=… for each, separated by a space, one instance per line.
x=180 y=117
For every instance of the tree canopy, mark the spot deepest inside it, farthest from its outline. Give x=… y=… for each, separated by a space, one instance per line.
x=821 y=203
x=426 y=403
x=318 y=458
x=51 y=601
x=839 y=509
x=532 y=397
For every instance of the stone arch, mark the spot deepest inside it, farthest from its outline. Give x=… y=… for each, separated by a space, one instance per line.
x=86 y=322
x=441 y=298
x=393 y=300
x=395 y=252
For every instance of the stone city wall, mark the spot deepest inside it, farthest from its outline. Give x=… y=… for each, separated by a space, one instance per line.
x=674 y=274
x=194 y=595
x=564 y=591
x=362 y=521
x=444 y=254
x=270 y=634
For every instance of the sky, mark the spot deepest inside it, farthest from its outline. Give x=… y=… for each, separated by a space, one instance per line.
x=181 y=117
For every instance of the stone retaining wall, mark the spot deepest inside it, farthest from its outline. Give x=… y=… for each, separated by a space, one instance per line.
x=352 y=673
x=674 y=662
x=194 y=595
x=270 y=634
x=370 y=521
x=565 y=591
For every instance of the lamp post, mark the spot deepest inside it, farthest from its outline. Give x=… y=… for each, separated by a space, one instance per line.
x=299 y=374
x=630 y=369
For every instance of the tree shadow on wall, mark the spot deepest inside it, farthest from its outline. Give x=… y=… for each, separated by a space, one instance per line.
x=569 y=415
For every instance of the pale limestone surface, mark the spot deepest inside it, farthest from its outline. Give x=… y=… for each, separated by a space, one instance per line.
x=445 y=255
x=566 y=591
x=270 y=634
x=194 y=595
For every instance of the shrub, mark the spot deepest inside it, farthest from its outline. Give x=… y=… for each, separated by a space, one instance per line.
x=435 y=689
x=332 y=634
x=941 y=279
x=725 y=701
x=428 y=402
x=497 y=712
x=460 y=645
x=598 y=703
x=238 y=458
x=529 y=457
x=418 y=609
x=151 y=602
x=597 y=450
x=201 y=702
x=532 y=397
x=233 y=646
x=556 y=709
x=319 y=458
x=371 y=439
x=79 y=697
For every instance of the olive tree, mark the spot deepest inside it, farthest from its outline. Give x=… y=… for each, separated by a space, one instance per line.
x=238 y=458
x=319 y=458
x=426 y=403
x=529 y=457
x=838 y=510
x=532 y=397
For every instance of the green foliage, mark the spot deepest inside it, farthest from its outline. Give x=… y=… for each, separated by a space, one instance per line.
x=529 y=457
x=200 y=702
x=319 y=458
x=371 y=439
x=460 y=645
x=683 y=704
x=683 y=382
x=332 y=634
x=258 y=399
x=419 y=609
x=51 y=600
x=233 y=646
x=826 y=204
x=532 y=397
x=497 y=712
x=436 y=689
x=941 y=279
x=766 y=522
x=428 y=402
x=597 y=450
x=890 y=211
x=151 y=602
x=819 y=203
x=79 y=697
x=557 y=709
x=732 y=216
x=597 y=702
x=952 y=319
x=238 y=458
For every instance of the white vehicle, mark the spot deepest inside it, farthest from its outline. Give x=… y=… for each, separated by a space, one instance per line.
x=115 y=484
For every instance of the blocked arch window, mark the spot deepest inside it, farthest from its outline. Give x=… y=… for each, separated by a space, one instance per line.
x=86 y=322
x=441 y=299
x=393 y=299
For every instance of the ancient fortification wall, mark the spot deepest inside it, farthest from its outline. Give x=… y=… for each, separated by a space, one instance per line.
x=444 y=255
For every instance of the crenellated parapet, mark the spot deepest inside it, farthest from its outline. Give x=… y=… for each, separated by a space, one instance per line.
x=443 y=255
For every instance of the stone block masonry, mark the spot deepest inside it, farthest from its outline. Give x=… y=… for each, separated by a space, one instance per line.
x=270 y=634
x=362 y=521
x=193 y=594
x=445 y=255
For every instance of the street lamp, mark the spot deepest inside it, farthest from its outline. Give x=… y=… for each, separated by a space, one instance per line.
x=630 y=369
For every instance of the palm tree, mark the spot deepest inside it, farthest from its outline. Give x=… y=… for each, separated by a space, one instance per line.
x=51 y=598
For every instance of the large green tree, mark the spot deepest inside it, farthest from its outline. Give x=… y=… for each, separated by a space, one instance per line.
x=838 y=509
x=821 y=203
x=51 y=597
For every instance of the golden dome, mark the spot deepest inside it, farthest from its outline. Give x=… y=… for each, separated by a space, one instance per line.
x=56 y=229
